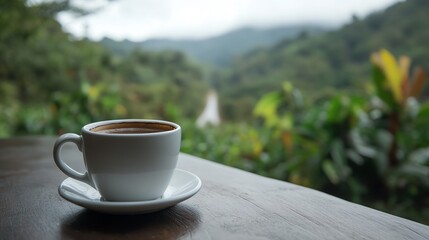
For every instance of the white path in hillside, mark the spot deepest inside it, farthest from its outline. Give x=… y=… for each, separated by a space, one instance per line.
x=210 y=115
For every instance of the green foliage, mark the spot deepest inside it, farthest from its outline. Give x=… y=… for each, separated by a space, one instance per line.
x=372 y=150
x=366 y=148
x=51 y=84
x=158 y=80
x=333 y=62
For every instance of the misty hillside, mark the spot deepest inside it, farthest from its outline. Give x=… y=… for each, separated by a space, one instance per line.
x=332 y=62
x=219 y=50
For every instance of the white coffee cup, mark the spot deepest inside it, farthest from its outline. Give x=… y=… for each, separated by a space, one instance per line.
x=126 y=160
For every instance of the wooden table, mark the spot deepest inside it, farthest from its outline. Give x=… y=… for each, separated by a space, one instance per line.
x=232 y=204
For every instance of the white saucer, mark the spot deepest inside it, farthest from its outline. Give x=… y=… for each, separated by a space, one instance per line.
x=182 y=186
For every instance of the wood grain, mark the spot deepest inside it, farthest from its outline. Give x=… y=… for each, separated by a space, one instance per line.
x=232 y=204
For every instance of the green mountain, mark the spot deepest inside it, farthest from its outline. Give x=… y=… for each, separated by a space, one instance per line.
x=333 y=61
x=219 y=50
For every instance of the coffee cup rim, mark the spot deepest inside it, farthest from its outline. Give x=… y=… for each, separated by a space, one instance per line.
x=87 y=128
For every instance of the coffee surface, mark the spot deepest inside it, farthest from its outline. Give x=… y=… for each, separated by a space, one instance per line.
x=129 y=130
x=132 y=128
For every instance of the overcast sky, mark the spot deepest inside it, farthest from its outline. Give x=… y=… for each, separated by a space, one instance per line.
x=142 y=19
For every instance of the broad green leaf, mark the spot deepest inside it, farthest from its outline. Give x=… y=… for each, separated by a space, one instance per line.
x=381 y=88
x=286 y=122
x=267 y=108
x=287 y=87
x=412 y=107
x=415 y=170
x=393 y=73
x=334 y=110
x=330 y=172
x=420 y=156
x=384 y=139
x=424 y=111
x=339 y=158
x=337 y=152
x=355 y=157
x=360 y=146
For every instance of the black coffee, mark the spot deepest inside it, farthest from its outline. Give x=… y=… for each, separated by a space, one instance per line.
x=132 y=128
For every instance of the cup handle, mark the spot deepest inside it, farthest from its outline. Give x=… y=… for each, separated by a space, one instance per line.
x=76 y=139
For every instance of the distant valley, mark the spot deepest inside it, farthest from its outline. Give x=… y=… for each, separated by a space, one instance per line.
x=220 y=50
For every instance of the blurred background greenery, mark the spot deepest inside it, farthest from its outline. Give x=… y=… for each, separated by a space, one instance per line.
x=328 y=109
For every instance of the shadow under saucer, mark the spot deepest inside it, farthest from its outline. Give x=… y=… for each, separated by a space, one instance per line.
x=170 y=223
